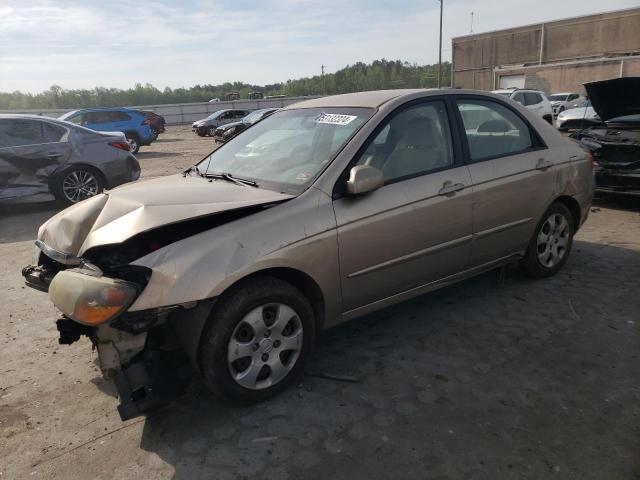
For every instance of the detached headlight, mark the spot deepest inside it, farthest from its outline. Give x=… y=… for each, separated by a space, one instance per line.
x=90 y=300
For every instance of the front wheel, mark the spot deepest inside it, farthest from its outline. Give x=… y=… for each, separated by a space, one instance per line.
x=256 y=341
x=211 y=132
x=551 y=243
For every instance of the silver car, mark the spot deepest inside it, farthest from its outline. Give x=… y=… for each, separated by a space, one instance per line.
x=327 y=210
x=41 y=157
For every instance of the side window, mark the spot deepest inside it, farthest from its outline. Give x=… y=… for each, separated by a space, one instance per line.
x=415 y=141
x=519 y=97
x=52 y=133
x=573 y=96
x=493 y=130
x=119 y=117
x=15 y=133
x=95 y=117
x=531 y=98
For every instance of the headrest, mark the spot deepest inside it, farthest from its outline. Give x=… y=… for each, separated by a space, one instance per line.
x=494 y=126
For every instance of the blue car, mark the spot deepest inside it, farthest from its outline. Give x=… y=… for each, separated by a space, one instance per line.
x=135 y=126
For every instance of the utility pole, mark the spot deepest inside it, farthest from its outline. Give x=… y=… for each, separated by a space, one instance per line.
x=471 y=28
x=440 y=49
x=322 y=70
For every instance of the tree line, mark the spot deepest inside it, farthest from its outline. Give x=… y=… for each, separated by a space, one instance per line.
x=380 y=74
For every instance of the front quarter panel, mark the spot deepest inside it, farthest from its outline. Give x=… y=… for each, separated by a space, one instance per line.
x=298 y=234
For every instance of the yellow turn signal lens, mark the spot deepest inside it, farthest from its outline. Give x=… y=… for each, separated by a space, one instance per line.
x=90 y=299
x=94 y=314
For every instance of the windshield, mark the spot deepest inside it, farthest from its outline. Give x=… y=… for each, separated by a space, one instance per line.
x=504 y=94
x=214 y=115
x=558 y=98
x=289 y=149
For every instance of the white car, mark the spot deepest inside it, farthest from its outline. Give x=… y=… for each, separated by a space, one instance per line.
x=578 y=117
x=533 y=100
x=561 y=101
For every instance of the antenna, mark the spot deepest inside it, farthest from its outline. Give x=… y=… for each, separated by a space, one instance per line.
x=471 y=28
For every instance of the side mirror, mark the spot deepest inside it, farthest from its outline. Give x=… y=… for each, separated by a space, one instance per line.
x=363 y=179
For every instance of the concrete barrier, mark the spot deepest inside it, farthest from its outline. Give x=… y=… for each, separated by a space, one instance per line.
x=181 y=113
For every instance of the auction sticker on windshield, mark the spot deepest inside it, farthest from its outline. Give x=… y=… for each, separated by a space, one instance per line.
x=335 y=118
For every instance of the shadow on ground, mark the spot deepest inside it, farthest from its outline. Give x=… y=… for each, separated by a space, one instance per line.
x=483 y=379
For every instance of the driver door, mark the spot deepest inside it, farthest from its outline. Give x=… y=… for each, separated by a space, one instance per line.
x=416 y=229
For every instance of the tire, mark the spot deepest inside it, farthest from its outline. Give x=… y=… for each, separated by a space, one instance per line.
x=85 y=181
x=550 y=244
x=133 y=141
x=154 y=134
x=549 y=119
x=228 y=335
x=211 y=131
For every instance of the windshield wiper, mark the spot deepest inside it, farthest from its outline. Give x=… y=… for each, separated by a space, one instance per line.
x=230 y=178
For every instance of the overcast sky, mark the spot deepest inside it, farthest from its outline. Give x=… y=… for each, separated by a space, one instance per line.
x=116 y=43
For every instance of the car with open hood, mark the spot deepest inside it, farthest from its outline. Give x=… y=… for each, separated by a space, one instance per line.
x=325 y=211
x=615 y=143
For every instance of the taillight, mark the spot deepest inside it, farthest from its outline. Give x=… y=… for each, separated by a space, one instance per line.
x=120 y=145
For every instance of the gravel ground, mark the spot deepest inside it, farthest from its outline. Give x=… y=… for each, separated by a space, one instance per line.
x=488 y=379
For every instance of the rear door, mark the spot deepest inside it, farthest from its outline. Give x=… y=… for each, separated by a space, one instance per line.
x=416 y=229
x=30 y=152
x=512 y=174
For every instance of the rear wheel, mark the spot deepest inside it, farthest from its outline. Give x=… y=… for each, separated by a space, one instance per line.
x=256 y=341
x=551 y=243
x=154 y=134
x=133 y=141
x=77 y=184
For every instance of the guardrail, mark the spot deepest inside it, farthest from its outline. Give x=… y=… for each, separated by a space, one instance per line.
x=181 y=113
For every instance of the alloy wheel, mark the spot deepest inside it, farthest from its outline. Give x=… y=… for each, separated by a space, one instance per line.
x=265 y=346
x=79 y=185
x=553 y=240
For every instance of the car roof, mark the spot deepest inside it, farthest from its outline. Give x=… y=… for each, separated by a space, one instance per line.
x=371 y=99
x=29 y=116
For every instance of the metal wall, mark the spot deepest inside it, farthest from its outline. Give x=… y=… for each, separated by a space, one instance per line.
x=554 y=56
x=179 y=113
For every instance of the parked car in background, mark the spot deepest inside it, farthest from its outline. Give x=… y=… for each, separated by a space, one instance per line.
x=45 y=156
x=214 y=100
x=155 y=121
x=615 y=144
x=207 y=126
x=366 y=200
x=228 y=131
x=578 y=117
x=561 y=101
x=533 y=100
x=132 y=123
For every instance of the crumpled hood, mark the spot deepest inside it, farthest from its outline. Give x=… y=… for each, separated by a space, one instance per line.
x=616 y=97
x=119 y=214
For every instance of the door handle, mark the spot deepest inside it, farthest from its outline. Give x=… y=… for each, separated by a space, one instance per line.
x=449 y=188
x=543 y=164
x=53 y=156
